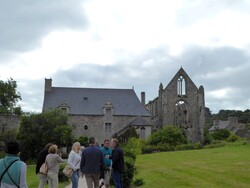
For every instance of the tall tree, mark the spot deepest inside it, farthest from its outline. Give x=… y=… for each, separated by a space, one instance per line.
x=36 y=130
x=9 y=97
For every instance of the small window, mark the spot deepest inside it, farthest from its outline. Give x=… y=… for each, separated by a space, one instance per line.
x=107 y=127
x=64 y=109
x=86 y=127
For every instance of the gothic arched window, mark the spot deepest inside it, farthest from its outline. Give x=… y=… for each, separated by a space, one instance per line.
x=181 y=86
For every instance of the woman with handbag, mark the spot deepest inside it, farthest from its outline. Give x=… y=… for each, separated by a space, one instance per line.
x=53 y=160
x=74 y=161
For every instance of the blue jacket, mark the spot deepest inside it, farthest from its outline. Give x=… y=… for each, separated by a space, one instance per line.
x=107 y=151
x=17 y=171
x=92 y=160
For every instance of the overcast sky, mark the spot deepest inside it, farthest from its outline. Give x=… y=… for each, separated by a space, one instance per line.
x=127 y=44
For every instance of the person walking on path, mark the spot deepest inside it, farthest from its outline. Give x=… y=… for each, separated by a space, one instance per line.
x=74 y=161
x=117 y=163
x=53 y=160
x=92 y=163
x=12 y=169
x=107 y=153
x=40 y=160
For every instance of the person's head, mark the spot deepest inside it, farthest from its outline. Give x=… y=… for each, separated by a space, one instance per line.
x=53 y=149
x=106 y=143
x=76 y=147
x=114 y=142
x=91 y=140
x=48 y=145
x=12 y=147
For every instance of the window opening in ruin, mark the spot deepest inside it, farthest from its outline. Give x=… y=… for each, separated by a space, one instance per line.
x=86 y=127
x=181 y=86
x=107 y=127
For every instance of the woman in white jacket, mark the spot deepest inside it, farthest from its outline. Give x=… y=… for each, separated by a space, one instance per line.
x=74 y=161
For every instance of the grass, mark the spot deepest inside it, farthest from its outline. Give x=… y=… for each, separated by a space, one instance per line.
x=227 y=167
x=33 y=180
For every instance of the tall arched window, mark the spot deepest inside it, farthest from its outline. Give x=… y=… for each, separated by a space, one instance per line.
x=181 y=86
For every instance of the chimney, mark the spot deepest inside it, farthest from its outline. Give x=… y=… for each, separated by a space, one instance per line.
x=143 y=98
x=48 y=85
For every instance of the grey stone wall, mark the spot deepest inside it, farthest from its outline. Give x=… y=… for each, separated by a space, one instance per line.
x=96 y=125
x=8 y=122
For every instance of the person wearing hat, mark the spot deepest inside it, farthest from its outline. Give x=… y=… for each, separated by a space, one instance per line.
x=12 y=169
x=92 y=162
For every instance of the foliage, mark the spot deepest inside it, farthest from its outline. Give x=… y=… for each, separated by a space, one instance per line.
x=135 y=145
x=9 y=134
x=221 y=134
x=232 y=138
x=83 y=140
x=9 y=97
x=138 y=182
x=129 y=171
x=170 y=135
x=129 y=133
x=36 y=130
x=208 y=139
x=243 y=117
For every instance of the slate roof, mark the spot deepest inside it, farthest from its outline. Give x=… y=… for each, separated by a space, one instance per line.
x=90 y=101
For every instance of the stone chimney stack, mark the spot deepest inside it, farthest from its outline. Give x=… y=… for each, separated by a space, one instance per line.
x=48 y=85
x=143 y=98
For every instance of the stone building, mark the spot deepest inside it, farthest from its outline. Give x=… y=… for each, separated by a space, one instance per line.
x=181 y=104
x=101 y=113
x=232 y=125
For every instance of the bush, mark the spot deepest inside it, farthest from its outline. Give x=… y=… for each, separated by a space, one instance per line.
x=129 y=171
x=135 y=145
x=168 y=135
x=138 y=182
x=232 y=138
x=221 y=134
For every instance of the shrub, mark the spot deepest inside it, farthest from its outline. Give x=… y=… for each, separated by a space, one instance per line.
x=232 y=138
x=129 y=171
x=168 y=135
x=135 y=145
x=221 y=134
x=138 y=182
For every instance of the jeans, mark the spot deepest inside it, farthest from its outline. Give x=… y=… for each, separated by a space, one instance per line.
x=117 y=178
x=75 y=179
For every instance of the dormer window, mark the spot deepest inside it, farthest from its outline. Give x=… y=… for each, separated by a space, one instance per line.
x=64 y=107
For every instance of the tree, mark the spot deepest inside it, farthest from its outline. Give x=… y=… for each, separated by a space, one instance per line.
x=9 y=97
x=36 y=130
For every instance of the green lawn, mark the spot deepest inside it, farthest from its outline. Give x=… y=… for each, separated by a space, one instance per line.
x=207 y=168
x=33 y=180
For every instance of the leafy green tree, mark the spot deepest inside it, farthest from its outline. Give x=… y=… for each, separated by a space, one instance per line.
x=170 y=135
x=36 y=130
x=9 y=97
x=221 y=134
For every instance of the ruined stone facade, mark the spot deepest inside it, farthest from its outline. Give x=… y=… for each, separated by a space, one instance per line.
x=180 y=104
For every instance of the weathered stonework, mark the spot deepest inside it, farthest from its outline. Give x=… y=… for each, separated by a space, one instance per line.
x=181 y=104
x=8 y=122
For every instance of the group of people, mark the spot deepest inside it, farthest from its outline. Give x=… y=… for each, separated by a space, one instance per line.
x=94 y=162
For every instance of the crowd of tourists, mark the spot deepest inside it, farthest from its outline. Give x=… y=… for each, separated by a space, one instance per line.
x=95 y=163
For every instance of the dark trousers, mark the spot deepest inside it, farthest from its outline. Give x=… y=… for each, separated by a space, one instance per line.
x=117 y=176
